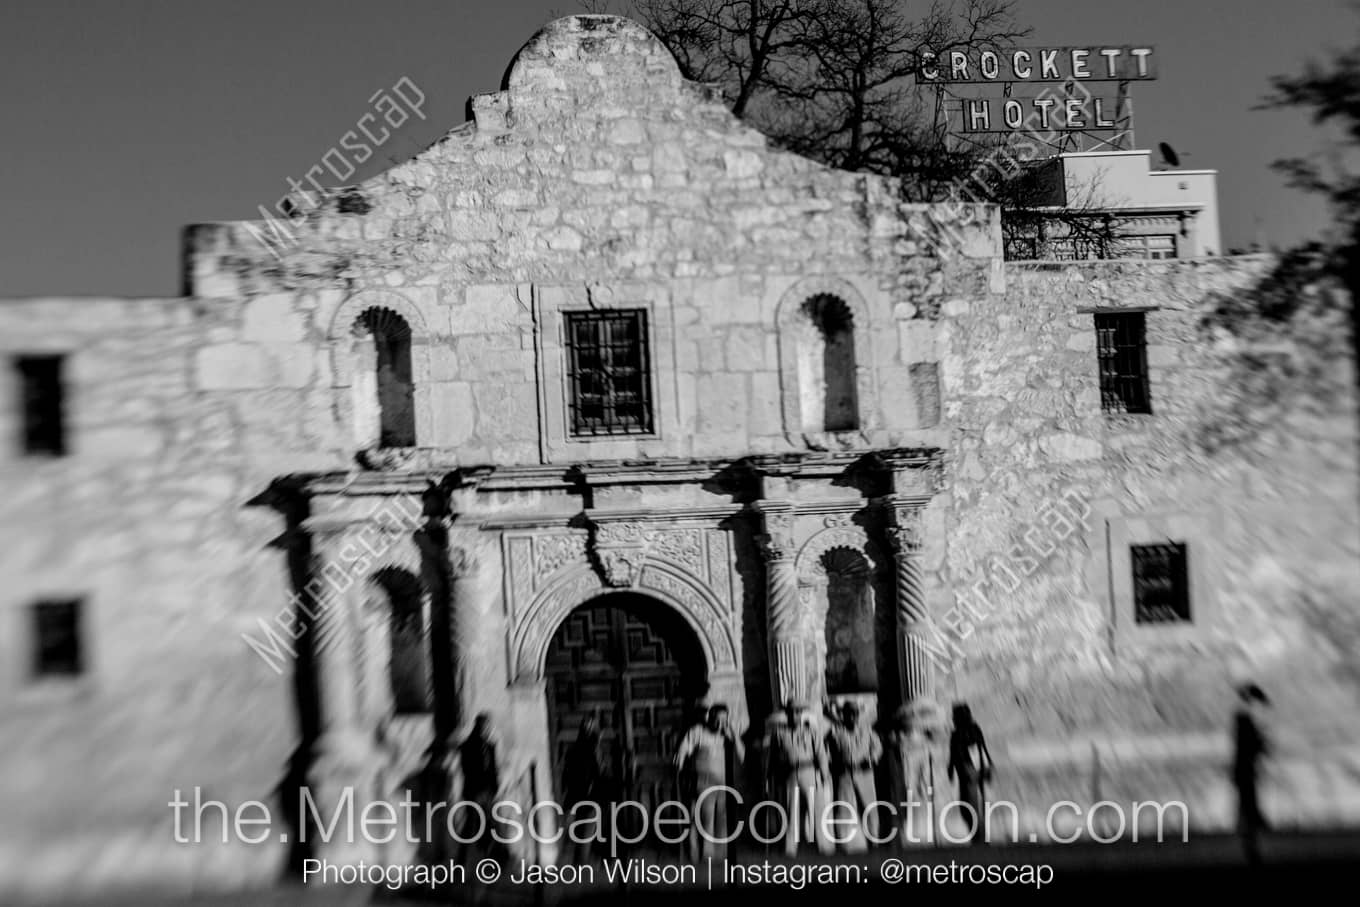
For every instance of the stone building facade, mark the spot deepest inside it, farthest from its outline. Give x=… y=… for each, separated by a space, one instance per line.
x=601 y=405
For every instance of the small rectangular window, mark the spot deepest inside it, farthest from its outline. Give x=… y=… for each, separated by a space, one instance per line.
x=42 y=404
x=1161 y=588
x=57 y=644
x=608 y=376
x=1155 y=246
x=1122 y=350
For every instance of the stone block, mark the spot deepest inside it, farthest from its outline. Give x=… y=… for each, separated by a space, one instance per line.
x=746 y=349
x=723 y=399
x=453 y=416
x=668 y=158
x=487 y=309
x=1068 y=448
x=232 y=366
x=916 y=341
x=505 y=412
x=627 y=132
x=294 y=364
x=926 y=392
x=274 y=318
x=767 y=411
x=593 y=177
x=1163 y=355
x=130 y=442
x=563 y=239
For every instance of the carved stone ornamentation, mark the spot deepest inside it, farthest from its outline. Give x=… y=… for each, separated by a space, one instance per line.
x=621 y=549
x=553 y=552
x=906 y=532
x=622 y=566
x=620 y=533
x=679 y=546
x=778 y=542
x=464 y=561
x=387 y=459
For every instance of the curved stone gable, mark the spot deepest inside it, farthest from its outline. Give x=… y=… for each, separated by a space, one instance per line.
x=590 y=52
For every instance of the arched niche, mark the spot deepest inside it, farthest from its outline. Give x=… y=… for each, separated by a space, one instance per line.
x=381 y=360
x=825 y=359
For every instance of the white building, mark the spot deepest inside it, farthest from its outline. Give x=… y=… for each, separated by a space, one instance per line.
x=1147 y=212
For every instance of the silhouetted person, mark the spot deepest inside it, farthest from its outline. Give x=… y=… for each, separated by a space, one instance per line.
x=429 y=786
x=582 y=783
x=1249 y=747
x=709 y=754
x=970 y=760
x=479 y=759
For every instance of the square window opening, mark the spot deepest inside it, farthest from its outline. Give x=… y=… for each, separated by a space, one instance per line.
x=42 y=404
x=1121 y=348
x=58 y=649
x=608 y=373
x=1161 y=586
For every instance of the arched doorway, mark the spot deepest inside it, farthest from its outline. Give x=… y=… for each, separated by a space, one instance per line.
x=631 y=662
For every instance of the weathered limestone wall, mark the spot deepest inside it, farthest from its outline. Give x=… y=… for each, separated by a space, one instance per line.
x=599 y=178
x=1055 y=668
x=147 y=519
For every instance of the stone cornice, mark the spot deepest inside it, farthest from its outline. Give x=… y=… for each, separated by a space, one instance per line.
x=489 y=479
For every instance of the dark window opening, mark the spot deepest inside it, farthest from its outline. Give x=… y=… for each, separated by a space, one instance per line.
x=1122 y=352
x=44 y=416
x=608 y=373
x=410 y=654
x=57 y=650
x=1161 y=588
x=836 y=329
x=391 y=337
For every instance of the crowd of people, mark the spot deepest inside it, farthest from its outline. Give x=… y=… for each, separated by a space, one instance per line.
x=805 y=762
x=808 y=762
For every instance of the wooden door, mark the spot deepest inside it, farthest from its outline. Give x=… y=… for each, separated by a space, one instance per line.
x=611 y=662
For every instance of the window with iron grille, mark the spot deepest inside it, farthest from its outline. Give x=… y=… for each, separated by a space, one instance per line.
x=608 y=373
x=44 y=431
x=57 y=650
x=1122 y=351
x=1161 y=588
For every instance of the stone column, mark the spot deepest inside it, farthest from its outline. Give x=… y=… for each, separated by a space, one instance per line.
x=372 y=605
x=344 y=761
x=432 y=539
x=783 y=607
x=814 y=594
x=469 y=614
x=915 y=669
x=459 y=609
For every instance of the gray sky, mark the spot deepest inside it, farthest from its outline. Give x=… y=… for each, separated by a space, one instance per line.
x=125 y=121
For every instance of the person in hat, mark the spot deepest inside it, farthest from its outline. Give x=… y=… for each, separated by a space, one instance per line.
x=1250 y=747
x=854 y=751
x=911 y=751
x=799 y=774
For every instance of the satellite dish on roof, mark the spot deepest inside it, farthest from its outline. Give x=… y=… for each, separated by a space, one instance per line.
x=1169 y=155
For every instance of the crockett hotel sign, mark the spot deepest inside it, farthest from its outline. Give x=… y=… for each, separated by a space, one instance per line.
x=1071 y=65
